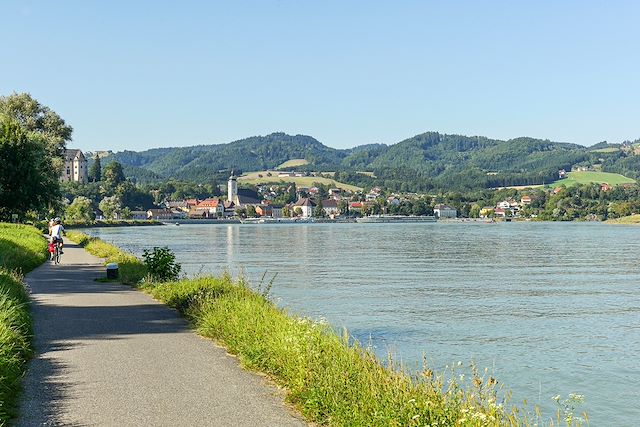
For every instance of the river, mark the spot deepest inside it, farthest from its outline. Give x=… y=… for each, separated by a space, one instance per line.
x=549 y=308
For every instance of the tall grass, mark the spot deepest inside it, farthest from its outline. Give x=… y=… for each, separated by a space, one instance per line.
x=131 y=269
x=22 y=248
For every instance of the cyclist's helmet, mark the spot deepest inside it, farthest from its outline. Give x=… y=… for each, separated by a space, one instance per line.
x=57 y=220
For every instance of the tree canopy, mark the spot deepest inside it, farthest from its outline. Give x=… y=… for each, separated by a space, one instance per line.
x=28 y=180
x=36 y=118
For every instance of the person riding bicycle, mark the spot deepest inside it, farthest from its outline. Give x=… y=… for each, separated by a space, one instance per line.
x=56 y=233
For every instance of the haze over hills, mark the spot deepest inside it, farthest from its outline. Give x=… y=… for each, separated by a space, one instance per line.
x=426 y=161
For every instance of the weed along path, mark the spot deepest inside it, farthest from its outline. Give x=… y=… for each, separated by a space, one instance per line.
x=107 y=354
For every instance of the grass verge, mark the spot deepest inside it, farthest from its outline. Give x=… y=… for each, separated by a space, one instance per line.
x=22 y=248
x=131 y=269
x=330 y=377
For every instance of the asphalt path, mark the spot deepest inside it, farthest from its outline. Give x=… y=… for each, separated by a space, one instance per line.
x=107 y=354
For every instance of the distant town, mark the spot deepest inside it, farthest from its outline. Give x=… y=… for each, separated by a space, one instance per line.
x=282 y=200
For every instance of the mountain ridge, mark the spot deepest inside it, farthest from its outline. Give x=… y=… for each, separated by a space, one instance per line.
x=433 y=159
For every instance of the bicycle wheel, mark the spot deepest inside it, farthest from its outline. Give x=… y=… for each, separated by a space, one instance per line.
x=56 y=256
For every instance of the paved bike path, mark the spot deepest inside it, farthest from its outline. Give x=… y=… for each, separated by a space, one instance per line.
x=109 y=355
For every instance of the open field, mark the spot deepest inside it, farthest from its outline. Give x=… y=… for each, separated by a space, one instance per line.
x=254 y=178
x=589 y=177
x=293 y=163
x=606 y=150
x=631 y=219
x=520 y=187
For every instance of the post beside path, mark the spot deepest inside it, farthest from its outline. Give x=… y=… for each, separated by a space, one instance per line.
x=107 y=354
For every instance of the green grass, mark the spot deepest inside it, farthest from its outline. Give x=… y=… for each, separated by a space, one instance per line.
x=293 y=163
x=606 y=150
x=130 y=268
x=574 y=178
x=22 y=248
x=303 y=181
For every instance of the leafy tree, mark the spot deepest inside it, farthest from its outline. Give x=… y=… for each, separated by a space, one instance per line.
x=251 y=211
x=297 y=211
x=133 y=197
x=95 y=172
x=70 y=190
x=318 y=211
x=343 y=207
x=286 y=212
x=126 y=213
x=26 y=178
x=79 y=210
x=112 y=175
x=110 y=206
x=36 y=118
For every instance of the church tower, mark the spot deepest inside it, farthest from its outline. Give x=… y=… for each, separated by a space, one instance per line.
x=232 y=189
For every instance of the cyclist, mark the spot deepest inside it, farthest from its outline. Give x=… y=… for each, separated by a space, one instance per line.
x=56 y=233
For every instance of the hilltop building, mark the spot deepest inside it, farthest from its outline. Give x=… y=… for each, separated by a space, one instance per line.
x=75 y=167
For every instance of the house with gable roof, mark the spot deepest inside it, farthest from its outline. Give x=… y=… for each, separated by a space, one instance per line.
x=306 y=205
x=75 y=167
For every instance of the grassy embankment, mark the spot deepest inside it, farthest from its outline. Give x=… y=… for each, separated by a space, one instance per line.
x=330 y=378
x=631 y=219
x=22 y=248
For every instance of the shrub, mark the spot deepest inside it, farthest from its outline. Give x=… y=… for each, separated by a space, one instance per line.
x=161 y=264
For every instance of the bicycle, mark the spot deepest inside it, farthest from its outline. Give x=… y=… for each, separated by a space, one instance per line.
x=55 y=255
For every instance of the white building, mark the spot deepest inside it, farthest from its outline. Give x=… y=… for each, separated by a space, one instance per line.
x=75 y=167
x=444 y=211
x=306 y=205
x=139 y=215
x=330 y=207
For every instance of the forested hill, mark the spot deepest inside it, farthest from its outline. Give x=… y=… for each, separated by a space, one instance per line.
x=250 y=154
x=423 y=162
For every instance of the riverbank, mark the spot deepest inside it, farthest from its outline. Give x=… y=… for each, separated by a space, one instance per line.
x=22 y=248
x=111 y=223
x=329 y=377
x=629 y=220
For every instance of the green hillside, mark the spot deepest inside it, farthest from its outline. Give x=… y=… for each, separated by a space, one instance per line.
x=589 y=177
x=427 y=162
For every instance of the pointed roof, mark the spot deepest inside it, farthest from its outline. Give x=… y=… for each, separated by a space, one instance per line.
x=305 y=201
x=73 y=153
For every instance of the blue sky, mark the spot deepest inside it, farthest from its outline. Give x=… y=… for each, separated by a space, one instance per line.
x=137 y=75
